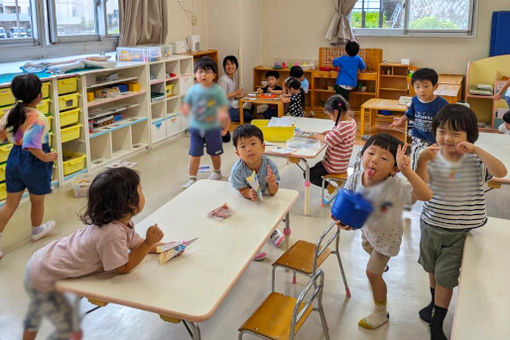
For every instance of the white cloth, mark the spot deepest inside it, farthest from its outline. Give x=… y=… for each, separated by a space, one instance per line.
x=502 y=128
x=383 y=228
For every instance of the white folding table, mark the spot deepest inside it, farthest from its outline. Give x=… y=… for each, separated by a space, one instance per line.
x=497 y=145
x=191 y=287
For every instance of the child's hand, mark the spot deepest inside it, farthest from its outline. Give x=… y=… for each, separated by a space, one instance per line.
x=342 y=226
x=403 y=161
x=259 y=91
x=153 y=235
x=430 y=153
x=253 y=195
x=270 y=178
x=497 y=96
x=50 y=157
x=397 y=122
x=465 y=147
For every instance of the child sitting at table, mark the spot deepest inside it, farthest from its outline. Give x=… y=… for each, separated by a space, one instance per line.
x=505 y=126
x=295 y=98
x=424 y=107
x=272 y=87
x=456 y=171
x=339 y=141
x=108 y=242
x=383 y=156
x=349 y=65
x=249 y=144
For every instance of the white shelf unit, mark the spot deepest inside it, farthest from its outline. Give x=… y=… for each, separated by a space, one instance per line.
x=166 y=119
x=128 y=135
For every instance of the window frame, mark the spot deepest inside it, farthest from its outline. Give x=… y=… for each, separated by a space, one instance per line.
x=470 y=32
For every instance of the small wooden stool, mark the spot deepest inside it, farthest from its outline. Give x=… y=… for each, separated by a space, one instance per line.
x=340 y=178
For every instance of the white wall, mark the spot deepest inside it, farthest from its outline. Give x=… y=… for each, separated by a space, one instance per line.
x=296 y=28
x=180 y=24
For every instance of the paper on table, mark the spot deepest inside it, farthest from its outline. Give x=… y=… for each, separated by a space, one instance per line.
x=281 y=121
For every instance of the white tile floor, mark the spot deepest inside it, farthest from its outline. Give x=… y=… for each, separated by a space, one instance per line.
x=163 y=171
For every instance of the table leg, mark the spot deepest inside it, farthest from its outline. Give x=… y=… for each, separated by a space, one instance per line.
x=362 y=121
x=287 y=231
x=307 y=187
x=76 y=333
x=280 y=109
x=241 y=113
x=193 y=329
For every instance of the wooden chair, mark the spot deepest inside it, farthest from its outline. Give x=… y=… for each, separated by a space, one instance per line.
x=306 y=257
x=280 y=317
x=338 y=178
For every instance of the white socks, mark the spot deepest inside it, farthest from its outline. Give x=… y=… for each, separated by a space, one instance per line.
x=377 y=318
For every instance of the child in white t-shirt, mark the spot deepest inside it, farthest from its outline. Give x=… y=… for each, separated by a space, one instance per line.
x=383 y=156
x=505 y=127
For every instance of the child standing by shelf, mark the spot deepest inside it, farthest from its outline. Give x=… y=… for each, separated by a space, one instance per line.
x=383 y=156
x=340 y=141
x=203 y=102
x=424 y=107
x=30 y=162
x=108 y=242
x=349 y=65
x=295 y=98
x=229 y=84
x=249 y=143
x=456 y=171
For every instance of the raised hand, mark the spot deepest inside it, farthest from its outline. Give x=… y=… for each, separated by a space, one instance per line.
x=430 y=153
x=397 y=122
x=270 y=178
x=153 y=235
x=403 y=161
x=465 y=147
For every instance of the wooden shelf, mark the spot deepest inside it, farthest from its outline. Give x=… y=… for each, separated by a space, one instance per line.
x=363 y=93
x=393 y=89
x=479 y=96
x=111 y=100
x=122 y=80
x=392 y=76
x=157 y=81
x=324 y=90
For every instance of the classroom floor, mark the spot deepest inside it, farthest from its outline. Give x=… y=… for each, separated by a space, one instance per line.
x=407 y=282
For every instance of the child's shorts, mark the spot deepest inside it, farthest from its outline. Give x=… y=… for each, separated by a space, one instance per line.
x=441 y=253
x=417 y=147
x=377 y=261
x=211 y=138
x=24 y=170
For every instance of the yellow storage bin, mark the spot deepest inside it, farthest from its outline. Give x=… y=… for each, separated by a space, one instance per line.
x=67 y=85
x=44 y=106
x=70 y=133
x=169 y=90
x=3 y=191
x=2 y=172
x=6 y=96
x=4 y=152
x=45 y=89
x=68 y=101
x=73 y=162
x=274 y=133
x=5 y=109
x=69 y=117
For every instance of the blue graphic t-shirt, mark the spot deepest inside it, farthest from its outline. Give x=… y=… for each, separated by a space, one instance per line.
x=423 y=114
x=205 y=103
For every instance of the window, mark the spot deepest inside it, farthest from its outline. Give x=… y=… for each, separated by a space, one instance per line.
x=73 y=18
x=413 y=16
x=16 y=20
x=112 y=17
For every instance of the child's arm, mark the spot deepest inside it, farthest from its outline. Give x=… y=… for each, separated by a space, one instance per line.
x=494 y=165
x=153 y=236
x=275 y=91
x=272 y=184
x=185 y=109
x=498 y=95
x=421 y=190
x=228 y=122
x=249 y=193
x=43 y=156
x=427 y=155
x=285 y=99
x=320 y=136
x=398 y=121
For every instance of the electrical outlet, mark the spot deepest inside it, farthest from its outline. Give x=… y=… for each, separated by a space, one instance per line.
x=194 y=20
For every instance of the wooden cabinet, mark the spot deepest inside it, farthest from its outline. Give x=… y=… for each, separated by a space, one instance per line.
x=394 y=81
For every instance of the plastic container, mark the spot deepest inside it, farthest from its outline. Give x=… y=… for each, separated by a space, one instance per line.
x=5 y=149
x=73 y=162
x=81 y=187
x=68 y=101
x=274 y=133
x=45 y=89
x=6 y=96
x=351 y=209
x=2 y=172
x=146 y=53
x=70 y=133
x=67 y=85
x=3 y=191
x=69 y=117
x=44 y=106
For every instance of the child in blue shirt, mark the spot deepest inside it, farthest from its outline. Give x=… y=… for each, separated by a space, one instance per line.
x=424 y=108
x=249 y=143
x=203 y=102
x=349 y=65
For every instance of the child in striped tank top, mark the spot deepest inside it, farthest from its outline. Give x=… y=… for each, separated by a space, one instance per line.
x=456 y=171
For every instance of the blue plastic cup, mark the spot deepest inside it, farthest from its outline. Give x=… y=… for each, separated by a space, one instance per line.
x=351 y=209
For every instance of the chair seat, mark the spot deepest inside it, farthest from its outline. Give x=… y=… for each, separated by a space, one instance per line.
x=300 y=257
x=340 y=176
x=273 y=317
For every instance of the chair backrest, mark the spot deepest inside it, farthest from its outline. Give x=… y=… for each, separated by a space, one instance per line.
x=321 y=245
x=306 y=298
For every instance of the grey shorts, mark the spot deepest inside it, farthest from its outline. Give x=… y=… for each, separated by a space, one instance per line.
x=377 y=262
x=441 y=253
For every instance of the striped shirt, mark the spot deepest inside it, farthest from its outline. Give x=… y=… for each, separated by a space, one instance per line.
x=340 y=141
x=458 y=200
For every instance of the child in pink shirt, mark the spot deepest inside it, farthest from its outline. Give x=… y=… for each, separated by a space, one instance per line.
x=108 y=242
x=339 y=140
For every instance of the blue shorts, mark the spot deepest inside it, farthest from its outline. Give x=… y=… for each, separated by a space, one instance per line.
x=211 y=138
x=24 y=170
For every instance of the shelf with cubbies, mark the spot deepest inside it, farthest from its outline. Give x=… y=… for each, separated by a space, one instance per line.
x=117 y=106
x=169 y=80
x=394 y=81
